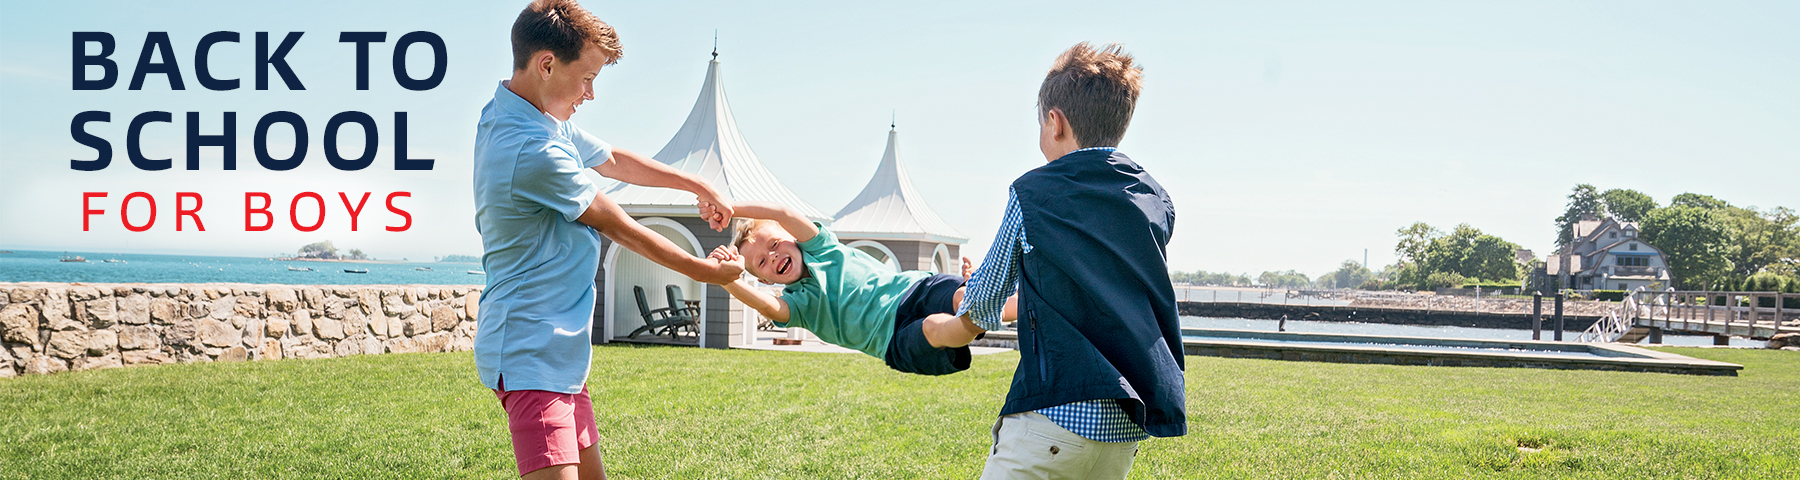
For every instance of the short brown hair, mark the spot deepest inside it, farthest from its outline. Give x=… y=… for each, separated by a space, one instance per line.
x=563 y=28
x=741 y=228
x=1095 y=89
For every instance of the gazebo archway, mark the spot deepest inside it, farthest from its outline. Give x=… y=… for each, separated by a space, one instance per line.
x=942 y=263
x=879 y=251
x=626 y=269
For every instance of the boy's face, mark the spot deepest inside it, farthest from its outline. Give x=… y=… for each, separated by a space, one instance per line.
x=572 y=83
x=771 y=255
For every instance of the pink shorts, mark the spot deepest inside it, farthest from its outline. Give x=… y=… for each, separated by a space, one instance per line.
x=548 y=428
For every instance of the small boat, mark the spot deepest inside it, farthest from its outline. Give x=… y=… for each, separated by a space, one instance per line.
x=73 y=259
x=300 y=269
x=477 y=272
x=359 y=270
x=422 y=269
x=113 y=260
x=3 y=252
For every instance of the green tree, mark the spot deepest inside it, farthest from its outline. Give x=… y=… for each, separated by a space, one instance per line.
x=1583 y=201
x=320 y=247
x=1698 y=201
x=1414 y=239
x=1287 y=279
x=1471 y=254
x=1348 y=275
x=1627 y=205
x=1695 y=242
x=1761 y=239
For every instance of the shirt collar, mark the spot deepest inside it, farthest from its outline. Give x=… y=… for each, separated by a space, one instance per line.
x=1089 y=149
x=512 y=103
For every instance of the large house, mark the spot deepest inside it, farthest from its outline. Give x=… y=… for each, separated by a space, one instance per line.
x=1607 y=254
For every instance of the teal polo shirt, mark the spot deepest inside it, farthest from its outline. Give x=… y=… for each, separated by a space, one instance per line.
x=535 y=324
x=847 y=297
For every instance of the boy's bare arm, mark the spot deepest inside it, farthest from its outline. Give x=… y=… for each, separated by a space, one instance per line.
x=790 y=220
x=768 y=305
x=630 y=167
x=610 y=220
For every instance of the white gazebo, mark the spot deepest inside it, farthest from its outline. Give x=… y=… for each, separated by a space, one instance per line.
x=891 y=222
x=710 y=146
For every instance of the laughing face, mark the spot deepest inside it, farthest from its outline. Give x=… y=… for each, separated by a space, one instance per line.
x=771 y=255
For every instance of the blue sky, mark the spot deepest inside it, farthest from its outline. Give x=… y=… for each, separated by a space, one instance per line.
x=1292 y=135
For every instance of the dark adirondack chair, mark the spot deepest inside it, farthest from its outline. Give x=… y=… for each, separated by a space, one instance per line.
x=680 y=305
x=658 y=319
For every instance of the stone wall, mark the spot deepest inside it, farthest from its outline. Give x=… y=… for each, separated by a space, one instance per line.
x=55 y=327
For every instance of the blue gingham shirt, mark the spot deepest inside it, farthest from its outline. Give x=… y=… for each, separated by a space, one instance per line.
x=984 y=301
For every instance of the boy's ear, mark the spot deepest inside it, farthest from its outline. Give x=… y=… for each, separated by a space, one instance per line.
x=544 y=61
x=1060 y=122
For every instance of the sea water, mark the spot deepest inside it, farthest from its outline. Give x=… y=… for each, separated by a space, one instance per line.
x=33 y=266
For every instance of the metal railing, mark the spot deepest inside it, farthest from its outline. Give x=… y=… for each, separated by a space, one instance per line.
x=1747 y=314
x=1616 y=323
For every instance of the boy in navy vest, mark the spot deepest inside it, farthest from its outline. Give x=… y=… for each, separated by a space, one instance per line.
x=1084 y=240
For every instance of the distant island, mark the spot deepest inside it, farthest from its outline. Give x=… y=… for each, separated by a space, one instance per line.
x=460 y=259
x=326 y=252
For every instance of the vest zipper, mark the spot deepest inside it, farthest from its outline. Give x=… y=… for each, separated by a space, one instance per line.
x=1037 y=340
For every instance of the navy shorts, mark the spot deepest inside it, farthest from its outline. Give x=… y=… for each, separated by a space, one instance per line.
x=909 y=351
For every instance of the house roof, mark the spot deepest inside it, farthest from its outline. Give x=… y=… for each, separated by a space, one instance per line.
x=1586 y=227
x=890 y=208
x=710 y=146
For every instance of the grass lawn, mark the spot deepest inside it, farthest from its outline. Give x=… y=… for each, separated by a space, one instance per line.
x=689 y=413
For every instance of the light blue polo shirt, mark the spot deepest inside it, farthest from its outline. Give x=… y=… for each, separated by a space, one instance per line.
x=536 y=317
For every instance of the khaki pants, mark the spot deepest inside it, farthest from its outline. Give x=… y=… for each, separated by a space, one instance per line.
x=1029 y=446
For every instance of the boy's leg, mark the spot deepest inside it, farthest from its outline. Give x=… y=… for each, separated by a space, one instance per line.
x=553 y=434
x=1030 y=446
x=912 y=349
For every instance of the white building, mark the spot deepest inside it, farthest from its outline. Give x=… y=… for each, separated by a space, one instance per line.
x=710 y=146
x=1608 y=255
x=890 y=221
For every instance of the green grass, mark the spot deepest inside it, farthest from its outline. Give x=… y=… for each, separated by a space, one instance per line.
x=689 y=413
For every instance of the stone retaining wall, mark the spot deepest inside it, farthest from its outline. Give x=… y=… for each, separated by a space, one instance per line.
x=55 y=327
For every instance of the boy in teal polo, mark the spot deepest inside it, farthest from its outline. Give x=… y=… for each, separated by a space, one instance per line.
x=843 y=295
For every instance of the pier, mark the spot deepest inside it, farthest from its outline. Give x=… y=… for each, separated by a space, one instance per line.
x=1643 y=313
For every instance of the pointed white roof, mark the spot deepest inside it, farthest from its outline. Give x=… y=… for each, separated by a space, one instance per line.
x=890 y=208
x=710 y=146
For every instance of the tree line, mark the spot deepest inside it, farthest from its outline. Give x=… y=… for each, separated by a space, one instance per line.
x=1709 y=244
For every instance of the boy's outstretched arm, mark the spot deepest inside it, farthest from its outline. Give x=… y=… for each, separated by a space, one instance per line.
x=790 y=220
x=630 y=167
x=768 y=305
x=606 y=216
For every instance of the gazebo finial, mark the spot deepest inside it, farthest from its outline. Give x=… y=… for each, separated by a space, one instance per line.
x=715 y=44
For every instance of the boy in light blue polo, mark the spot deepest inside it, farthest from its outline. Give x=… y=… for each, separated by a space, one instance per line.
x=538 y=217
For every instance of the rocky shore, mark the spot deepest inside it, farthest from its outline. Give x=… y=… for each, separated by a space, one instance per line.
x=1447 y=303
x=54 y=327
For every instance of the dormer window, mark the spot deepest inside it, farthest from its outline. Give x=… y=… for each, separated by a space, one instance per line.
x=1633 y=247
x=1631 y=233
